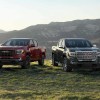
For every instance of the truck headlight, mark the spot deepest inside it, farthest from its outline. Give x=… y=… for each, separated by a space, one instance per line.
x=72 y=54
x=98 y=52
x=20 y=51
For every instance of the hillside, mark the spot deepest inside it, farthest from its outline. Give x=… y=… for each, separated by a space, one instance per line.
x=2 y=31
x=48 y=83
x=49 y=34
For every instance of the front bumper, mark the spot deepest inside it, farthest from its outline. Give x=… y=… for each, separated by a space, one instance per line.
x=84 y=64
x=10 y=61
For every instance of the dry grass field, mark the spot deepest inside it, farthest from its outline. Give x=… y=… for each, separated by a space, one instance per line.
x=48 y=83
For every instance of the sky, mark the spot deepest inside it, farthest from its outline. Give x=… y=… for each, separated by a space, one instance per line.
x=19 y=14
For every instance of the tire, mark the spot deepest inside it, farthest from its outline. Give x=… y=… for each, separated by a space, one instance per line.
x=65 y=65
x=1 y=66
x=94 y=69
x=54 y=63
x=26 y=63
x=41 y=61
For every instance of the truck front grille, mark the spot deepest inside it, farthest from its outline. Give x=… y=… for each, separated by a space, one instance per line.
x=7 y=53
x=86 y=55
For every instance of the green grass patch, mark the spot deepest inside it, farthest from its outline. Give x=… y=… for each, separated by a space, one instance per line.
x=48 y=83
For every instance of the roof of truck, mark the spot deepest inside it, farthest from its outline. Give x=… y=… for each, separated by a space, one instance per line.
x=74 y=38
x=21 y=38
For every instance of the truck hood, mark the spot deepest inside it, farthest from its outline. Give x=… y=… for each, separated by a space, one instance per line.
x=83 y=49
x=11 y=47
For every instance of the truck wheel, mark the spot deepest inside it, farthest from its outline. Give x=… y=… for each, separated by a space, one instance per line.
x=54 y=63
x=41 y=61
x=65 y=65
x=26 y=63
x=1 y=66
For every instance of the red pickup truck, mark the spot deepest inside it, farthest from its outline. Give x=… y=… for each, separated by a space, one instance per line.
x=21 y=51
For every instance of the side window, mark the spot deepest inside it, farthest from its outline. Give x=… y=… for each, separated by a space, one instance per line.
x=35 y=43
x=60 y=43
x=7 y=43
x=63 y=45
x=31 y=42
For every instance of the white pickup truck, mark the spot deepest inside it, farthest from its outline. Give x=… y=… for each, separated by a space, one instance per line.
x=75 y=53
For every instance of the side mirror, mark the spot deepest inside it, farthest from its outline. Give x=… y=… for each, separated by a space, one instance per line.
x=32 y=45
x=59 y=46
x=94 y=45
x=62 y=47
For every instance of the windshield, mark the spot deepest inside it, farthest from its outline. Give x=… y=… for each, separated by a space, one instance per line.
x=16 y=42
x=77 y=43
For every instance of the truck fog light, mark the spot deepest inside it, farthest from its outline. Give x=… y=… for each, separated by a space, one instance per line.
x=72 y=54
x=20 y=59
x=20 y=51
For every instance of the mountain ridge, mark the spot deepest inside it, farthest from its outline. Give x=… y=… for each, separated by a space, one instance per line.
x=2 y=31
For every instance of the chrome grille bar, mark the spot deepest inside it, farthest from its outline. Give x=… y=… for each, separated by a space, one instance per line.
x=7 y=53
x=86 y=55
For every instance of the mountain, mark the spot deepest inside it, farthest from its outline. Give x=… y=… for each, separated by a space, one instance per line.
x=2 y=31
x=48 y=34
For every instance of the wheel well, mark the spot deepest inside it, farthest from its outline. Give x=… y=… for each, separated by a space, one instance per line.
x=64 y=56
x=28 y=54
x=43 y=53
x=52 y=53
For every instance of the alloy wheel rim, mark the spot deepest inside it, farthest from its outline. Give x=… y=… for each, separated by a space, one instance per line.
x=65 y=64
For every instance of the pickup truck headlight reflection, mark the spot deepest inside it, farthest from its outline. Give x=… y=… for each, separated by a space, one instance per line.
x=98 y=52
x=20 y=51
x=72 y=54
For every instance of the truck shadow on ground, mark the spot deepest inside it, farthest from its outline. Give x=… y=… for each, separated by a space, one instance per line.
x=36 y=69
x=93 y=73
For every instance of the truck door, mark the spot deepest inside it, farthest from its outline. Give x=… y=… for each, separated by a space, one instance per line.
x=37 y=50
x=33 y=50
